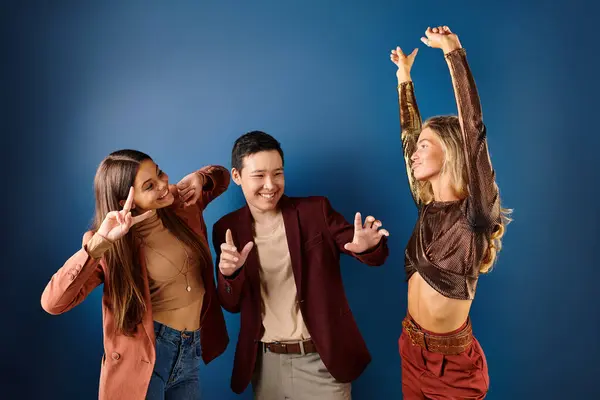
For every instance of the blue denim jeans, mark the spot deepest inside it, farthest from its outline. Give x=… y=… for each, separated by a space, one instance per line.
x=176 y=372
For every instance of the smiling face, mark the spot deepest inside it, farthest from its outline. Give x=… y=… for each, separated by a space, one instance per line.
x=262 y=180
x=428 y=158
x=151 y=188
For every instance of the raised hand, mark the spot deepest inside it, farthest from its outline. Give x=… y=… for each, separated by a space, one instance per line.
x=441 y=37
x=116 y=224
x=230 y=260
x=403 y=62
x=190 y=188
x=366 y=236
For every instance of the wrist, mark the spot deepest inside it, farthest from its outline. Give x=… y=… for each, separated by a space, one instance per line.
x=98 y=245
x=403 y=77
x=365 y=251
x=102 y=236
x=450 y=46
x=233 y=275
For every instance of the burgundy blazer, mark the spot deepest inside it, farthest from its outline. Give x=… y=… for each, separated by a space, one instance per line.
x=128 y=361
x=316 y=235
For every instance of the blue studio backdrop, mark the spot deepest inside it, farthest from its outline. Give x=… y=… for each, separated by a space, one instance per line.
x=182 y=80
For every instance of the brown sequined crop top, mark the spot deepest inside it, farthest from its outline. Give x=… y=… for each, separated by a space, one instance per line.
x=450 y=239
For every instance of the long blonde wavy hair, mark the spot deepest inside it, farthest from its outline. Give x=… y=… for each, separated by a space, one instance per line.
x=447 y=129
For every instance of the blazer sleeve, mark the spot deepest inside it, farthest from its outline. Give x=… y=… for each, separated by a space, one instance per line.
x=343 y=232
x=71 y=284
x=229 y=289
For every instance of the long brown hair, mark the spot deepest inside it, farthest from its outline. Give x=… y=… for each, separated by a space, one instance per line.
x=447 y=129
x=115 y=175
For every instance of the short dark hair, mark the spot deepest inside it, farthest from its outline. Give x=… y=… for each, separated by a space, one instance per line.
x=252 y=143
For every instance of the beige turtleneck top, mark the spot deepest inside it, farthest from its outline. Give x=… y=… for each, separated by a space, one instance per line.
x=172 y=268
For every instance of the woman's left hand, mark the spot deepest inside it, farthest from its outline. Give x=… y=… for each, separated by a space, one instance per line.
x=190 y=188
x=441 y=37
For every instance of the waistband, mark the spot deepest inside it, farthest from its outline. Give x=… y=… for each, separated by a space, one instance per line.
x=436 y=333
x=454 y=342
x=301 y=347
x=167 y=333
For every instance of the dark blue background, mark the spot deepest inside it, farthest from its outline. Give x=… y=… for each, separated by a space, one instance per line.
x=182 y=81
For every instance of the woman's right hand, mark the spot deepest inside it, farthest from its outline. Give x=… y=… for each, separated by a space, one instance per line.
x=116 y=224
x=403 y=62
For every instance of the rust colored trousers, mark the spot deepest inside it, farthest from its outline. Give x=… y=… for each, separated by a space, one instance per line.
x=433 y=375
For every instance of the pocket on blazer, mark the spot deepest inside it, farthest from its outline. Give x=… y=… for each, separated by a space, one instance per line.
x=313 y=241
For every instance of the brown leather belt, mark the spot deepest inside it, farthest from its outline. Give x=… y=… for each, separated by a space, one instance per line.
x=291 y=348
x=448 y=344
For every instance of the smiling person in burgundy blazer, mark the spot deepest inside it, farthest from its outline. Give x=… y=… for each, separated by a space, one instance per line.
x=298 y=338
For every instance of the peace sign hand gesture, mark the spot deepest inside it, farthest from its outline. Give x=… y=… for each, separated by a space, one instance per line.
x=116 y=224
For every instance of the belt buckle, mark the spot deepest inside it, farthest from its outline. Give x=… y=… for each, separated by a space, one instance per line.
x=284 y=345
x=414 y=333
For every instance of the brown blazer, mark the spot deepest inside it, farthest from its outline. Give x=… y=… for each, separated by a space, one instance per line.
x=128 y=362
x=316 y=235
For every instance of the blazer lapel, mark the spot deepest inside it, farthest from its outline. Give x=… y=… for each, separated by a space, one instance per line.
x=292 y=231
x=244 y=233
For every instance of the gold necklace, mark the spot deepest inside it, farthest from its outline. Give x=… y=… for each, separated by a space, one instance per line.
x=186 y=264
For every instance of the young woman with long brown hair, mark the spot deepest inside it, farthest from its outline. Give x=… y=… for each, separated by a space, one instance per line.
x=148 y=247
